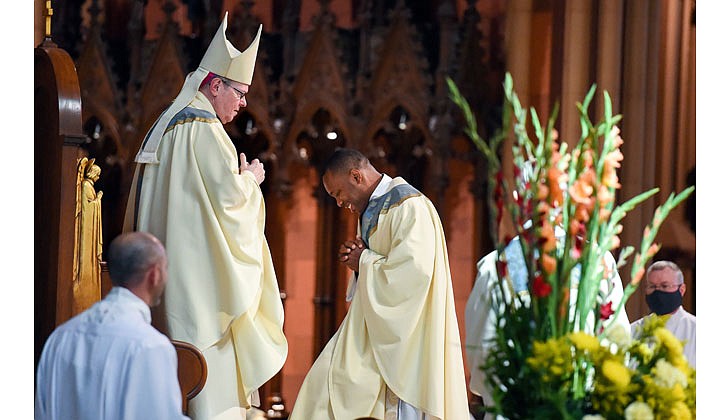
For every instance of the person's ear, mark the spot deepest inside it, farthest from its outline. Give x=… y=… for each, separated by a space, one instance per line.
x=356 y=175
x=215 y=86
x=682 y=289
x=154 y=275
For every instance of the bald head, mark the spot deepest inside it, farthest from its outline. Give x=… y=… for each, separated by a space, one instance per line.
x=131 y=255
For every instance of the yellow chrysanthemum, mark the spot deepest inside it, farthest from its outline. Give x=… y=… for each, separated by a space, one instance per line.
x=584 y=342
x=677 y=392
x=642 y=351
x=681 y=411
x=673 y=345
x=556 y=370
x=616 y=373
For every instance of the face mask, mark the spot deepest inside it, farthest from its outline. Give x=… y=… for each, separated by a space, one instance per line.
x=663 y=303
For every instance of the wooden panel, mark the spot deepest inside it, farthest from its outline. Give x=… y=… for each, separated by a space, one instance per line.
x=105 y=279
x=57 y=109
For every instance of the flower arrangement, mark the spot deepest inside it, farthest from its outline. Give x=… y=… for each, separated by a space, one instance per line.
x=557 y=351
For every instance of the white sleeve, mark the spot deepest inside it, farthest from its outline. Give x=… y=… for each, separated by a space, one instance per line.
x=617 y=293
x=480 y=317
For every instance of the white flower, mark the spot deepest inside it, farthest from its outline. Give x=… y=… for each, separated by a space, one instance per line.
x=593 y=417
x=638 y=410
x=617 y=334
x=667 y=375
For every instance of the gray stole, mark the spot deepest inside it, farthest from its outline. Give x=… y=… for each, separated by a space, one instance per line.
x=370 y=217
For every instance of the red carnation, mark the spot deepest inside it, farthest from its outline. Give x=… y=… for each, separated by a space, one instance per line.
x=605 y=311
x=540 y=287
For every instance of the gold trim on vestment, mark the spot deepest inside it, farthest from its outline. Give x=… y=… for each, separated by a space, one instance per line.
x=190 y=119
x=385 y=211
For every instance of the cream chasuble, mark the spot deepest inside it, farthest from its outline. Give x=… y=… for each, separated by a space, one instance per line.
x=222 y=295
x=400 y=333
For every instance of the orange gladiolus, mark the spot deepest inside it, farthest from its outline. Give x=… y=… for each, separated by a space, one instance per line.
x=574 y=227
x=604 y=196
x=588 y=159
x=548 y=263
x=646 y=232
x=581 y=213
x=652 y=250
x=618 y=141
x=548 y=236
x=555 y=178
x=543 y=191
x=604 y=215
x=611 y=163
x=615 y=242
x=580 y=191
x=638 y=276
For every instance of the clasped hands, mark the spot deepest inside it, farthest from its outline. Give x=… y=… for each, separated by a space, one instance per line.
x=350 y=251
x=255 y=166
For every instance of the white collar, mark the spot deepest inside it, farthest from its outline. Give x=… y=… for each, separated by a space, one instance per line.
x=126 y=297
x=382 y=187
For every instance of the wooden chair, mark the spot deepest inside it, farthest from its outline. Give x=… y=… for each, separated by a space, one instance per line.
x=191 y=371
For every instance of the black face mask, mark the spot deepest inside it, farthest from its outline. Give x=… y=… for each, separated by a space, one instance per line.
x=663 y=303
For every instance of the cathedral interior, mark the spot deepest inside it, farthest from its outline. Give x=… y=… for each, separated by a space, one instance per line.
x=370 y=75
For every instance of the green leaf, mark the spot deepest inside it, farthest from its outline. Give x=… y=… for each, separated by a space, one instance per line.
x=607 y=108
x=589 y=96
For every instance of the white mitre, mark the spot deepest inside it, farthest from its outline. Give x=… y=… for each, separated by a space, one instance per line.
x=221 y=58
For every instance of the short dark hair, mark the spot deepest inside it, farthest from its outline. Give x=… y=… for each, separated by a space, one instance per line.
x=345 y=159
x=131 y=255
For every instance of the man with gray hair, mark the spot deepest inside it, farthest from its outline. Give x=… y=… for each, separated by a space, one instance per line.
x=108 y=362
x=664 y=287
x=207 y=207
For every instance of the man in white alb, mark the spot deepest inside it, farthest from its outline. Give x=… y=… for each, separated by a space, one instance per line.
x=108 y=362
